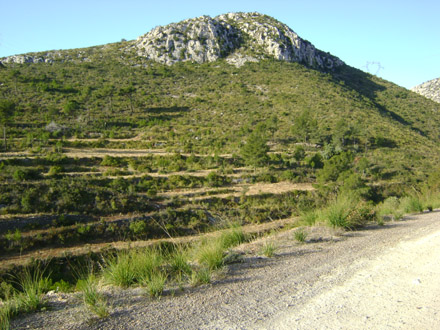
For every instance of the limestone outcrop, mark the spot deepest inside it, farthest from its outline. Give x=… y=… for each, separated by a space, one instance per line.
x=235 y=36
x=429 y=89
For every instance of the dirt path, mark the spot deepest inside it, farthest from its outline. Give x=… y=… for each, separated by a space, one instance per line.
x=101 y=152
x=376 y=278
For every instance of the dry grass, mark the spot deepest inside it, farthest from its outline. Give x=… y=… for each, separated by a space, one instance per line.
x=243 y=189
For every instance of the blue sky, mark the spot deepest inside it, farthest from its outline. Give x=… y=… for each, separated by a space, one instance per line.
x=398 y=40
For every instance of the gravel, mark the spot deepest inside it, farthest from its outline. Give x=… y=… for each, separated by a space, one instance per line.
x=375 y=278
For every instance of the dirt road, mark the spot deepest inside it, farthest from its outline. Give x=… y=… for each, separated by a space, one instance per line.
x=377 y=278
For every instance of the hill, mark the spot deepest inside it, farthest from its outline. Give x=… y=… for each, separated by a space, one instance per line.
x=429 y=89
x=193 y=126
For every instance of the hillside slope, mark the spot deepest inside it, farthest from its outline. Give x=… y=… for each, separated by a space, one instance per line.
x=107 y=144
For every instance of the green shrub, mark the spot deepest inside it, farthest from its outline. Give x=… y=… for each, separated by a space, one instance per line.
x=213 y=179
x=411 y=204
x=138 y=227
x=390 y=207
x=55 y=170
x=347 y=212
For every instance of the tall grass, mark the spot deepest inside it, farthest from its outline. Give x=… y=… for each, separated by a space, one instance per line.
x=411 y=204
x=431 y=200
x=232 y=237
x=119 y=270
x=211 y=252
x=348 y=212
x=92 y=298
x=27 y=297
x=5 y=315
x=268 y=249
x=300 y=235
x=127 y=268
x=155 y=283
x=178 y=260
x=396 y=207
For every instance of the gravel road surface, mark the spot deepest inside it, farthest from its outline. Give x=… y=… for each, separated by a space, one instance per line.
x=381 y=277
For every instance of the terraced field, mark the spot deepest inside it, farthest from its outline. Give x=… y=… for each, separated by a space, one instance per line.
x=136 y=196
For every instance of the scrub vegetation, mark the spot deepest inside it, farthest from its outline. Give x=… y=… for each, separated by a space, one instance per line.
x=110 y=150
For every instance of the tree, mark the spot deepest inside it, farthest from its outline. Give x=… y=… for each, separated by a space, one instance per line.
x=7 y=109
x=108 y=91
x=254 y=152
x=14 y=74
x=304 y=125
x=128 y=91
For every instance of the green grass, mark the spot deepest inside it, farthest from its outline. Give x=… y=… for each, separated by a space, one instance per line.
x=28 y=296
x=268 y=249
x=119 y=270
x=232 y=237
x=200 y=276
x=92 y=298
x=390 y=207
x=155 y=283
x=178 y=260
x=210 y=253
x=300 y=235
x=396 y=208
x=411 y=204
x=347 y=212
x=5 y=315
x=129 y=267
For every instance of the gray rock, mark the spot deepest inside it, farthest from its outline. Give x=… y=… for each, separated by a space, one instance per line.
x=429 y=89
x=242 y=36
x=236 y=37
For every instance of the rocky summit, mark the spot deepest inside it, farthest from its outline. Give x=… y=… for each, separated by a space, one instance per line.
x=238 y=37
x=429 y=89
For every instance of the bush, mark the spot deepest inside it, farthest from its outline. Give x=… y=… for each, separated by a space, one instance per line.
x=390 y=207
x=411 y=204
x=254 y=152
x=347 y=212
x=55 y=170
x=213 y=179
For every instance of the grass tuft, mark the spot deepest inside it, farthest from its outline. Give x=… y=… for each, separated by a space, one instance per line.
x=119 y=270
x=92 y=298
x=268 y=249
x=156 y=283
x=201 y=276
x=300 y=235
x=5 y=315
